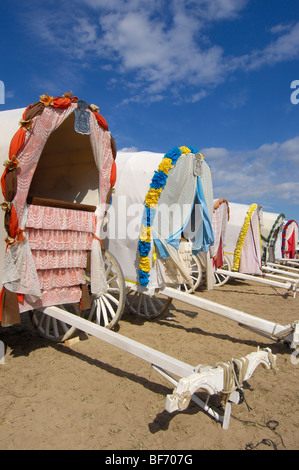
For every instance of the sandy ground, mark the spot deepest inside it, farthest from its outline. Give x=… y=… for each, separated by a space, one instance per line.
x=94 y=396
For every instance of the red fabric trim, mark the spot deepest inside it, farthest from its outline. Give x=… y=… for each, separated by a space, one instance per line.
x=13 y=223
x=102 y=121
x=291 y=246
x=113 y=174
x=1 y=302
x=61 y=103
x=218 y=259
x=3 y=179
x=99 y=240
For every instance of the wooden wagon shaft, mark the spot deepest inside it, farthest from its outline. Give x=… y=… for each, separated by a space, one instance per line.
x=287 y=333
x=213 y=380
x=280 y=271
x=164 y=361
x=288 y=262
x=285 y=267
x=287 y=285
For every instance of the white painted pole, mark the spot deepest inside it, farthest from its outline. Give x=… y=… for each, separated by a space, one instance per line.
x=280 y=271
x=2 y=353
x=150 y=355
x=258 y=278
x=251 y=321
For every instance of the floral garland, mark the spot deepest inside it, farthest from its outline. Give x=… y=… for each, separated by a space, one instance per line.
x=151 y=200
x=244 y=230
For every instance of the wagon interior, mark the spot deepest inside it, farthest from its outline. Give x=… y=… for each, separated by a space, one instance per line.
x=66 y=170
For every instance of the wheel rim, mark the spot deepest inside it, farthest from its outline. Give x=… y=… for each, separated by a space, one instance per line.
x=145 y=306
x=196 y=275
x=107 y=308
x=52 y=329
x=221 y=279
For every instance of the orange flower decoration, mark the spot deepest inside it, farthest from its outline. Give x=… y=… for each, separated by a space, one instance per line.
x=26 y=125
x=11 y=164
x=46 y=99
x=67 y=95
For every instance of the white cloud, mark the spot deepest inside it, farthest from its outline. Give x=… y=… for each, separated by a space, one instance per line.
x=269 y=174
x=285 y=47
x=163 y=46
x=86 y=32
x=129 y=149
x=218 y=9
x=215 y=153
x=290 y=150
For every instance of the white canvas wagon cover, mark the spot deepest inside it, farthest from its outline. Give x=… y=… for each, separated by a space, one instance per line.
x=154 y=204
x=243 y=238
x=271 y=235
x=59 y=170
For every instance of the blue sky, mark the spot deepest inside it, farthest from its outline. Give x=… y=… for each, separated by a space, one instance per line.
x=211 y=74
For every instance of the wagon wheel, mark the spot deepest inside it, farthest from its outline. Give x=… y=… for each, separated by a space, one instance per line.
x=196 y=275
x=52 y=329
x=221 y=279
x=146 y=306
x=106 y=309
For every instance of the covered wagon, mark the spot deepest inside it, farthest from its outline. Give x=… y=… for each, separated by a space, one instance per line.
x=165 y=204
x=59 y=160
x=279 y=237
x=243 y=240
x=57 y=184
x=280 y=240
x=271 y=235
x=289 y=239
x=245 y=249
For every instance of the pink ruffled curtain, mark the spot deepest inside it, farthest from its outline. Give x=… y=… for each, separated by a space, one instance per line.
x=60 y=240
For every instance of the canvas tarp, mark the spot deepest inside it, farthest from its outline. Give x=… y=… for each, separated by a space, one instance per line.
x=183 y=193
x=243 y=240
x=271 y=234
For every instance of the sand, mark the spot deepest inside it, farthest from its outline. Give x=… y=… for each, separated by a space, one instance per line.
x=94 y=396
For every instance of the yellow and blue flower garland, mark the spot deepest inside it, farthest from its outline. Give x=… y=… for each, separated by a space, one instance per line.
x=151 y=200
